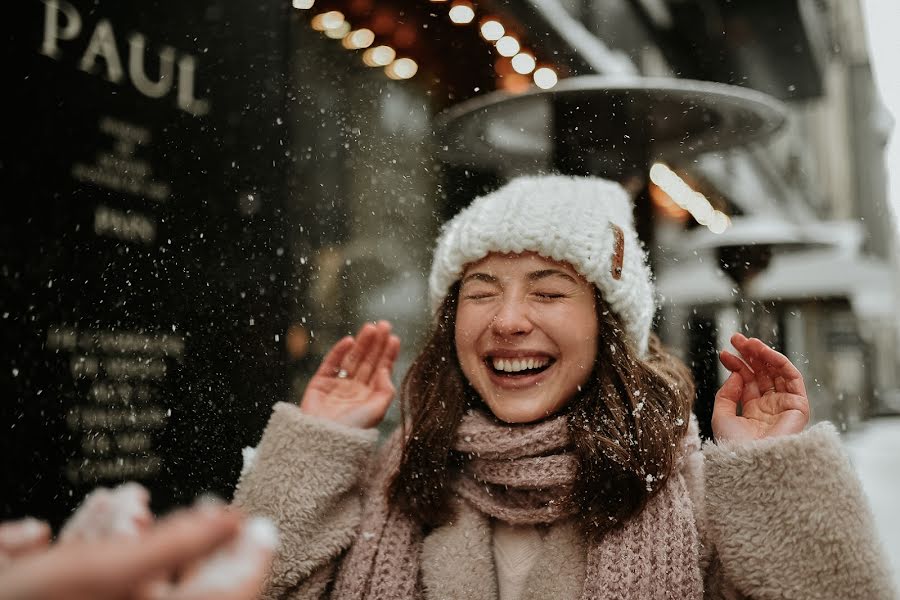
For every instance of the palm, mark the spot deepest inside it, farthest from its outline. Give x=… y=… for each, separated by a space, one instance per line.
x=353 y=384
x=766 y=386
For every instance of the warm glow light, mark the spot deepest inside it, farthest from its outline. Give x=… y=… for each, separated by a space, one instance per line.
x=514 y=83
x=508 y=46
x=492 y=30
x=663 y=203
x=338 y=32
x=332 y=19
x=461 y=13
x=402 y=68
x=523 y=63
x=687 y=198
x=379 y=56
x=303 y=4
x=545 y=78
x=361 y=38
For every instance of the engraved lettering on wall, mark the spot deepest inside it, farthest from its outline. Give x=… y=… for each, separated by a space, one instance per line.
x=101 y=56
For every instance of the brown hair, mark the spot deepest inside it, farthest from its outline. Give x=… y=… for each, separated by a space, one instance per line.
x=626 y=424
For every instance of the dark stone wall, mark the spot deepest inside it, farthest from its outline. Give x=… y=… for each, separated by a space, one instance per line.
x=143 y=262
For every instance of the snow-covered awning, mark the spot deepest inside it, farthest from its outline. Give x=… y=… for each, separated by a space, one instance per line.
x=694 y=281
x=867 y=282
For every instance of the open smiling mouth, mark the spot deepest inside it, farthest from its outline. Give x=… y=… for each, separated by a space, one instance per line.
x=518 y=367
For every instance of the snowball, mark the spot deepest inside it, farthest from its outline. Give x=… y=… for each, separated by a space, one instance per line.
x=233 y=565
x=118 y=512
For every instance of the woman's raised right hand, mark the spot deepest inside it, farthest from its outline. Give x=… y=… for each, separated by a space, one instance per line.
x=353 y=384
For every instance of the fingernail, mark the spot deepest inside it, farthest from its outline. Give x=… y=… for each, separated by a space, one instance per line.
x=22 y=531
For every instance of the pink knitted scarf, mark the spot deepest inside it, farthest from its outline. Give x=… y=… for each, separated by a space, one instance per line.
x=524 y=475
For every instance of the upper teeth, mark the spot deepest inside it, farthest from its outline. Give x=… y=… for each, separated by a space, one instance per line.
x=519 y=364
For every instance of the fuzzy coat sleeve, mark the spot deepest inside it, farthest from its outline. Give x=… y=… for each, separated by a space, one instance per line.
x=306 y=476
x=787 y=518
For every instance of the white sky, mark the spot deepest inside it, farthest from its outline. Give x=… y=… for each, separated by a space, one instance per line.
x=883 y=30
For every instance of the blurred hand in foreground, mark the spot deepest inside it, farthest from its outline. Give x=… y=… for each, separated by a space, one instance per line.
x=205 y=553
x=353 y=384
x=766 y=386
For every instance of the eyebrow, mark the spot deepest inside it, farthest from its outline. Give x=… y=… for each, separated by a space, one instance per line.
x=544 y=273
x=479 y=277
x=533 y=276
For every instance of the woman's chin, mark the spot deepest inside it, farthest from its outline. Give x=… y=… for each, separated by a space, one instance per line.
x=518 y=411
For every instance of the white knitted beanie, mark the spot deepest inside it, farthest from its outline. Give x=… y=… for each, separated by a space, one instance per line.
x=586 y=222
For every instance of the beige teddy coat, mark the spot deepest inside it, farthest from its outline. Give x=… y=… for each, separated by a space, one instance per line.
x=780 y=518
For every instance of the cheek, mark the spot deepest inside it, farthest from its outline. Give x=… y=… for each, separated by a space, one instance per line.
x=584 y=336
x=470 y=323
x=465 y=337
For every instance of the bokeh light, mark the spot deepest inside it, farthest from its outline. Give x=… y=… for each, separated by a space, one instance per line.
x=461 y=13
x=545 y=78
x=508 y=46
x=523 y=63
x=492 y=30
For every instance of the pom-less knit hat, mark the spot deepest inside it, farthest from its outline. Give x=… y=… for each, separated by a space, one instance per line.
x=586 y=222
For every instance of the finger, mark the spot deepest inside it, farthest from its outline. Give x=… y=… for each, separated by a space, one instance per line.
x=111 y=568
x=384 y=392
x=726 y=403
x=234 y=571
x=369 y=363
x=389 y=356
x=364 y=341
x=729 y=396
x=781 y=366
x=749 y=349
x=736 y=365
x=331 y=364
x=782 y=373
x=179 y=540
x=18 y=538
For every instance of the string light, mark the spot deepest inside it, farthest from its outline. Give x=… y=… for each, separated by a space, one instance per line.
x=545 y=78
x=492 y=30
x=461 y=13
x=508 y=46
x=523 y=63
x=328 y=20
x=379 y=56
x=402 y=68
x=687 y=198
x=338 y=32
x=359 y=39
x=334 y=25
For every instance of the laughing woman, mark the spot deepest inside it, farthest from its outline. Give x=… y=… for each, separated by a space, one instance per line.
x=547 y=447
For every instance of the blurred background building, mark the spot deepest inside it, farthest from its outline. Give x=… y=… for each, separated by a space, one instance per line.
x=808 y=206
x=213 y=195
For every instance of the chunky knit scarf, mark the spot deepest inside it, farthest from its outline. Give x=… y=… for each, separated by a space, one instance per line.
x=523 y=475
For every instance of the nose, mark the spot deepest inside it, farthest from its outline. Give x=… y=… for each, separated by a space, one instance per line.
x=512 y=319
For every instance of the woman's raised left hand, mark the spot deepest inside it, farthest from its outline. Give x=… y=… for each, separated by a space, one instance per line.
x=769 y=390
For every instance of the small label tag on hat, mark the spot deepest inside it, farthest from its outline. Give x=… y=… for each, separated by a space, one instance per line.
x=618 y=251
